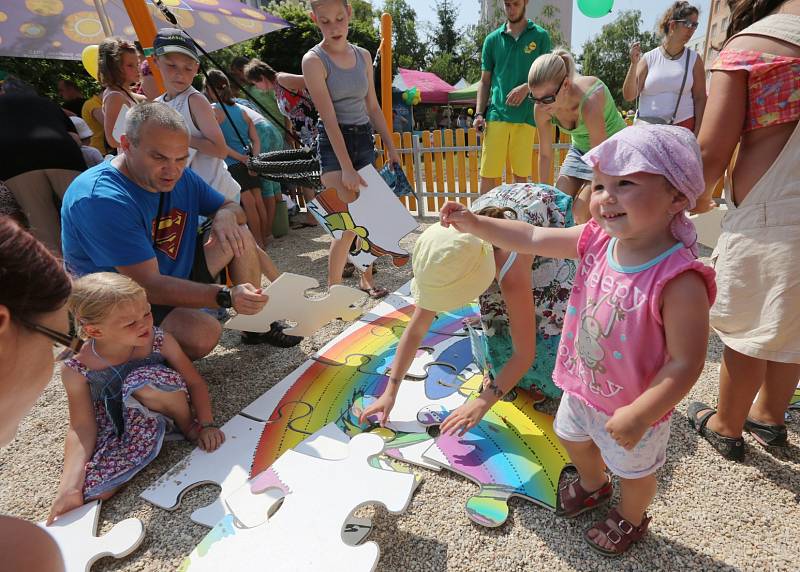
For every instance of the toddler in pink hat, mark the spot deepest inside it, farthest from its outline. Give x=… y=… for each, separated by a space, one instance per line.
x=636 y=327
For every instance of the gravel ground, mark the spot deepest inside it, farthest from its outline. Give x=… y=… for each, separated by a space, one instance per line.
x=710 y=514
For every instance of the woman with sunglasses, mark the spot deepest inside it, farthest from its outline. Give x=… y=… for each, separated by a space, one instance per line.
x=579 y=105
x=33 y=317
x=670 y=80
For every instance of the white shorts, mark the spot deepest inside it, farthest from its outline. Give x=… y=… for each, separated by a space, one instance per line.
x=576 y=421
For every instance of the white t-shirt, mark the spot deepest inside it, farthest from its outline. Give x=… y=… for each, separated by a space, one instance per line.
x=664 y=77
x=211 y=169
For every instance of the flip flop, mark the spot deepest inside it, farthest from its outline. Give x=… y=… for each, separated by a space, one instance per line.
x=376 y=292
x=299 y=225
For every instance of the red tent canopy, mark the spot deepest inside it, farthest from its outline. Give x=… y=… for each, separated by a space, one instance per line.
x=432 y=88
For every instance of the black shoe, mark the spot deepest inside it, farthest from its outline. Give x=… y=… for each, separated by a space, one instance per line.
x=274 y=337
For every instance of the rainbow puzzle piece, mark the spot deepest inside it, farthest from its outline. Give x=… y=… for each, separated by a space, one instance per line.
x=511 y=452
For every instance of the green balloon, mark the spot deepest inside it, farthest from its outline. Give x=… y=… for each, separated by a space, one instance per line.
x=595 y=8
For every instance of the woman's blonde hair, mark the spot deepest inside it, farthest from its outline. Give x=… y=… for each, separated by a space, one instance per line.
x=551 y=67
x=95 y=296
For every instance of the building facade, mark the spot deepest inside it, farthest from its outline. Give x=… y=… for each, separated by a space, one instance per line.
x=718 y=20
x=561 y=10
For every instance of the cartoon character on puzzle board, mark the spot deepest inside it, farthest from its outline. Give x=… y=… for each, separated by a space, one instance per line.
x=589 y=349
x=335 y=215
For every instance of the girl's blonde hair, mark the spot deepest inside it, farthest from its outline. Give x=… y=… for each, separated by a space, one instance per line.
x=551 y=67
x=109 y=61
x=95 y=296
x=317 y=3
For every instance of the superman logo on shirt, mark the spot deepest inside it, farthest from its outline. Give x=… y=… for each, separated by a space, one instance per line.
x=169 y=232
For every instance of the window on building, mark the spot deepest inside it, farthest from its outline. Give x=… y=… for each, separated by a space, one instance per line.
x=725 y=21
x=716 y=6
x=713 y=31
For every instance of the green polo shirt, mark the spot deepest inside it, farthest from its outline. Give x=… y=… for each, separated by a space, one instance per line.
x=509 y=61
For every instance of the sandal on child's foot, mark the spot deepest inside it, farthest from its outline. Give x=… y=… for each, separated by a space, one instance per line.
x=349 y=270
x=618 y=534
x=732 y=448
x=767 y=435
x=573 y=499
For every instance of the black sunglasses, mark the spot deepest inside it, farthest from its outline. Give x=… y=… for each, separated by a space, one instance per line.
x=688 y=24
x=72 y=344
x=547 y=99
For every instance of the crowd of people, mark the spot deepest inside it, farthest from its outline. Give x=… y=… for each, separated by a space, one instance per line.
x=570 y=278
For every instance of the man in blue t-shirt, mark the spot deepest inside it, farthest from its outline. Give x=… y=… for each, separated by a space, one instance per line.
x=138 y=215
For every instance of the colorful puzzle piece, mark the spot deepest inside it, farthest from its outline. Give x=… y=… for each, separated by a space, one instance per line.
x=378 y=219
x=511 y=452
x=306 y=531
x=287 y=301
x=75 y=534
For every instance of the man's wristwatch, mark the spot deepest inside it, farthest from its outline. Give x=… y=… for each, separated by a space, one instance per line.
x=224 y=299
x=479 y=114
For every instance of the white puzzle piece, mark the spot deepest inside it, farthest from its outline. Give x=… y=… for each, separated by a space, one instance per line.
x=287 y=301
x=74 y=532
x=252 y=509
x=228 y=467
x=377 y=217
x=305 y=534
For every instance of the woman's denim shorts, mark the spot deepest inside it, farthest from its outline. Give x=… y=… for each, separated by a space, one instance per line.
x=359 y=142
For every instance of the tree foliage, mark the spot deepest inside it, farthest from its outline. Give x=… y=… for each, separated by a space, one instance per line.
x=606 y=55
x=445 y=33
x=407 y=50
x=43 y=75
x=549 y=20
x=284 y=49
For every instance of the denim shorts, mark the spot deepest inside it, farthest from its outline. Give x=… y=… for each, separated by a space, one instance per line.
x=359 y=142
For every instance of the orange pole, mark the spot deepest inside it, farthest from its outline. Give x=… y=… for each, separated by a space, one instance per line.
x=145 y=30
x=386 y=68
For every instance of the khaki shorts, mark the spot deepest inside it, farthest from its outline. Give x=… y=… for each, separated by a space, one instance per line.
x=502 y=139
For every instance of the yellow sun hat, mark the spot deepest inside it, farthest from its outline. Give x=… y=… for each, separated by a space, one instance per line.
x=451 y=268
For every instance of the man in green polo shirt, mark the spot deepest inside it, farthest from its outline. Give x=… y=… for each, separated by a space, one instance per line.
x=508 y=53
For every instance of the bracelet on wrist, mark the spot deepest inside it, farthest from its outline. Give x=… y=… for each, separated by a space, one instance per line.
x=209 y=426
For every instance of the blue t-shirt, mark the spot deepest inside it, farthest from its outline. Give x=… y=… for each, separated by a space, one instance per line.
x=107 y=220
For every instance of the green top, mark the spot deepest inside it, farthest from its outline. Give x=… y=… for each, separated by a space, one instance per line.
x=509 y=61
x=269 y=102
x=580 y=134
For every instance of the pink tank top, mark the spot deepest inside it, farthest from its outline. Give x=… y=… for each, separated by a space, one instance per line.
x=612 y=344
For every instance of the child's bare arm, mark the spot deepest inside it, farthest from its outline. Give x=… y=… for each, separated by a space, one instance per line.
x=685 y=307
x=198 y=390
x=410 y=341
x=314 y=76
x=213 y=141
x=78 y=445
x=375 y=113
x=252 y=133
x=291 y=81
x=514 y=235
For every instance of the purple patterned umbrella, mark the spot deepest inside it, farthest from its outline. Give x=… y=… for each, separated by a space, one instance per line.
x=60 y=29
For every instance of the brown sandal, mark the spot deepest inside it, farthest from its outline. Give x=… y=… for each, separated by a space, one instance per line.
x=573 y=499
x=621 y=535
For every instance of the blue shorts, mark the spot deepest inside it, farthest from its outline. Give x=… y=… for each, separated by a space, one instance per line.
x=359 y=142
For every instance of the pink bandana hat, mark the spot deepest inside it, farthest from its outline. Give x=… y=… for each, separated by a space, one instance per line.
x=662 y=150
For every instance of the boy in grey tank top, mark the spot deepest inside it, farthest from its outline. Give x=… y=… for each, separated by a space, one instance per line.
x=339 y=78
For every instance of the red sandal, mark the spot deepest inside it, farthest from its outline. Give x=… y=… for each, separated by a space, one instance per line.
x=621 y=535
x=573 y=499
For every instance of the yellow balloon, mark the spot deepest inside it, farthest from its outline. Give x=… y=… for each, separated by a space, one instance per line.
x=89 y=57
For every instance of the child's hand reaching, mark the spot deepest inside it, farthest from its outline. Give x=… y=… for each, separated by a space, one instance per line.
x=465 y=417
x=210 y=438
x=626 y=427
x=65 y=501
x=456 y=214
x=383 y=406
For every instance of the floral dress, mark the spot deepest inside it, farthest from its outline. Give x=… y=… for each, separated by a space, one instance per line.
x=129 y=435
x=300 y=110
x=538 y=205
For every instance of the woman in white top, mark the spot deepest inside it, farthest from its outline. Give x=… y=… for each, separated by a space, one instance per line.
x=657 y=77
x=118 y=67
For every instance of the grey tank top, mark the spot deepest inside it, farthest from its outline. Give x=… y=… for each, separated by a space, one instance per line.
x=347 y=87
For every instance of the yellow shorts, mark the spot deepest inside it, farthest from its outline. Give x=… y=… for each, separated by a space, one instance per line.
x=502 y=139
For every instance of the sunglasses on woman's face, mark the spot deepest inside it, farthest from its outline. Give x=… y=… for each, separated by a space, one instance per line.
x=548 y=99
x=688 y=24
x=71 y=344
